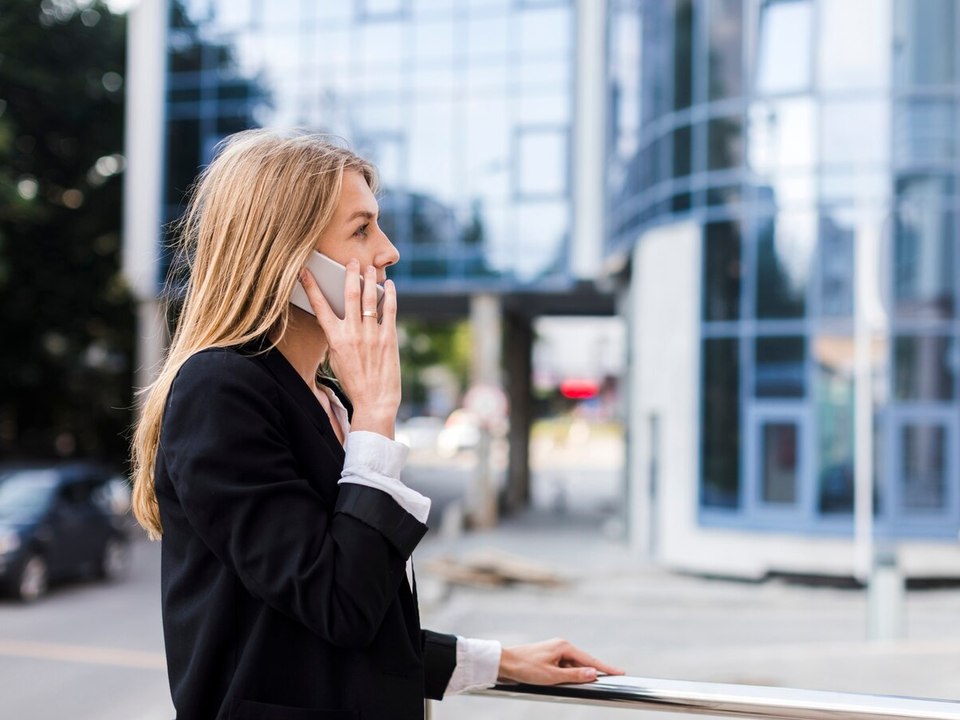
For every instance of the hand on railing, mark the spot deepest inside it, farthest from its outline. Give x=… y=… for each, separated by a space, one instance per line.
x=550 y=662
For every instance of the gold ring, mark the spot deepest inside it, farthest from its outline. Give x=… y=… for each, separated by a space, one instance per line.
x=370 y=313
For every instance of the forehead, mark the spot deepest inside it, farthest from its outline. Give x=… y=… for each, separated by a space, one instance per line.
x=355 y=195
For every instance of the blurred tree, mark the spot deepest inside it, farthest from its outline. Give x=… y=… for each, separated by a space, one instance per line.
x=67 y=319
x=424 y=345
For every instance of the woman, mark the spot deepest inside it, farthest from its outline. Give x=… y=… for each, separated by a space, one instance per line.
x=287 y=587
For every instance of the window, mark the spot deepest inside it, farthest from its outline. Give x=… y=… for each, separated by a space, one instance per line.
x=780 y=367
x=784 y=253
x=924 y=262
x=834 y=358
x=924 y=465
x=725 y=66
x=724 y=143
x=854 y=133
x=926 y=367
x=683 y=54
x=720 y=485
x=924 y=131
x=722 y=271
x=924 y=42
x=784 y=46
x=854 y=44
x=541 y=163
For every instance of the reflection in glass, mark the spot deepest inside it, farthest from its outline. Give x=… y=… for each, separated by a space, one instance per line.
x=720 y=484
x=924 y=262
x=924 y=131
x=724 y=143
x=924 y=42
x=782 y=134
x=546 y=32
x=854 y=44
x=682 y=151
x=834 y=358
x=836 y=261
x=784 y=46
x=780 y=367
x=784 y=253
x=778 y=465
x=721 y=271
x=488 y=36
x=855 y=133
x=725 y=63
x=682 y=54
x=433 y=41
x=924 y=465
x=926 y=367
x=541 y=159
x=543 y=227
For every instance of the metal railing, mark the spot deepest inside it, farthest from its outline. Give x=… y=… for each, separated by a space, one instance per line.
x=743 y=701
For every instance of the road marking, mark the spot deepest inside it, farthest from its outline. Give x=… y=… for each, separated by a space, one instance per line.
x=83 y=654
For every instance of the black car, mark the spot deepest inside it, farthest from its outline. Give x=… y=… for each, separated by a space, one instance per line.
x=61 y=521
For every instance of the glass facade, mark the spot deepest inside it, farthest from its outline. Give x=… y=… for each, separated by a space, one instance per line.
x=794 y=132
x=464 y=105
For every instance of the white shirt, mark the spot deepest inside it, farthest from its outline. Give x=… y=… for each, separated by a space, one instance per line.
x=374 y=460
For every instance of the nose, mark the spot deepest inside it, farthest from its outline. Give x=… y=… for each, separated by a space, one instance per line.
x=389 y=255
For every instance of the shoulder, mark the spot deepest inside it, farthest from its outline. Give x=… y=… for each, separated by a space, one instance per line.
x=216 y=370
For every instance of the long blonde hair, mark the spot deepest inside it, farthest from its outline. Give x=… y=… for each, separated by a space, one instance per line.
x=254 y=217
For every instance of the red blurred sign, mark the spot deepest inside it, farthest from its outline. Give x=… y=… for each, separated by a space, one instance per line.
x=577 y=389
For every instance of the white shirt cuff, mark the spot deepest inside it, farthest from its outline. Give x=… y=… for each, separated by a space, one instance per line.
x=375 y=460
x=478 y=665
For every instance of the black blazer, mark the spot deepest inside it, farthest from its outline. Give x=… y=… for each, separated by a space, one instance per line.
x=284 y=594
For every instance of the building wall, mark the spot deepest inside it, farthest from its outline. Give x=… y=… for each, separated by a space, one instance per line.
x=794 y=132
x=663 y=404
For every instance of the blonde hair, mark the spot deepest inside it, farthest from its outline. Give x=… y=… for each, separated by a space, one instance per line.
x=254 y=217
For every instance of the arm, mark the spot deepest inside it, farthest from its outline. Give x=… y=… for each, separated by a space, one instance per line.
x=334 y=569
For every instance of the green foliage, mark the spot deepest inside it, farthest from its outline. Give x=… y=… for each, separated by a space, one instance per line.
x=424 y=345
x=67 y=318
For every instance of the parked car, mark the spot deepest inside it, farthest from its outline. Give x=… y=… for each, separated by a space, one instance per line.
x=61 y=521
x=419 y=433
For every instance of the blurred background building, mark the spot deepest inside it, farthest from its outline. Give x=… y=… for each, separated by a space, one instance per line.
x=773 y=164
x=737 y=180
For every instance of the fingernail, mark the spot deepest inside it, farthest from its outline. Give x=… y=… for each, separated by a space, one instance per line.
x=590 y=673
x=354 y=262
x=370 y=269
x=303 y=275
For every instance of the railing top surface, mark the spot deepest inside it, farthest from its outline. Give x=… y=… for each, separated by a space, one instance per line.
x=728 y=700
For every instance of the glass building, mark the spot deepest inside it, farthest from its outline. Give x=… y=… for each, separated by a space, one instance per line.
x=797 y=161
x=466 y=108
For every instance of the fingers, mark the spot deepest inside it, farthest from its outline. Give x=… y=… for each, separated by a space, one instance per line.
x=321 y=308
x=576 y=675
x=581 y=658
x=351 y=292
x=388 y=310
x=369 y=302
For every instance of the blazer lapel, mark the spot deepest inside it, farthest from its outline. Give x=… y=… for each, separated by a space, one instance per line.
x=283 y=371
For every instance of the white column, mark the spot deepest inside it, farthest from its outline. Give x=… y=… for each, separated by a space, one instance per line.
x=486 y=327
x=589 y=146
x=142 y=185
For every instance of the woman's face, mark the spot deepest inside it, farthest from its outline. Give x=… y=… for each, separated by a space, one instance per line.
x=354 y=233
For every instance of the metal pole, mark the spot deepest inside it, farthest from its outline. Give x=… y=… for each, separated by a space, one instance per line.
x=743 y=701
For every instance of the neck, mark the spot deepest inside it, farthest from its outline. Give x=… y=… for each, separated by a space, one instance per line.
x=303 y=345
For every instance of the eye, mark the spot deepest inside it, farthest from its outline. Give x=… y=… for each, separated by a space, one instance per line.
x=362 y=230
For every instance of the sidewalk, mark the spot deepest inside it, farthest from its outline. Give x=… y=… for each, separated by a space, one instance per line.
x=660 y=624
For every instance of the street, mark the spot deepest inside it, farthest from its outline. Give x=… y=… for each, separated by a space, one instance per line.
x=93 y=651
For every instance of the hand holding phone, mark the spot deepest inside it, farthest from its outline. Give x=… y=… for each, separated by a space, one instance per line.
x=331 y=277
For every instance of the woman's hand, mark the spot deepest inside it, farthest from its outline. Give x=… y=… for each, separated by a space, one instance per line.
x=364 y=355
x=550 y=663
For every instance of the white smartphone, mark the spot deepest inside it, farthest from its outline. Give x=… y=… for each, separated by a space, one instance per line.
x=331 y=277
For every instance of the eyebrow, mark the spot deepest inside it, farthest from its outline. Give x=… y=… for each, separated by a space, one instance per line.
x=363 y=214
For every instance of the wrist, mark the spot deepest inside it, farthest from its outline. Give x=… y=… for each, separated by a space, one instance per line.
x=507 y=668
x=378 y=421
